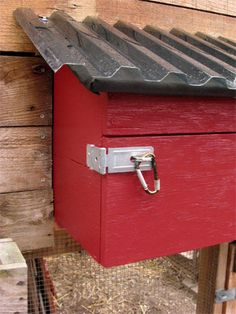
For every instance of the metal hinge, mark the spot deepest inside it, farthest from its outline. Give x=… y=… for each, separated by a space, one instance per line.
x=225 y=295
x=113 y=160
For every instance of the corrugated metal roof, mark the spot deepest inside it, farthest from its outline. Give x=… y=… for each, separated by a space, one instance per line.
x=124 y=58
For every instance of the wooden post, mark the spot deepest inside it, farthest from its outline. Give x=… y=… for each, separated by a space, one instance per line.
x=230 y=307
x=215 y=272
x=13 y=278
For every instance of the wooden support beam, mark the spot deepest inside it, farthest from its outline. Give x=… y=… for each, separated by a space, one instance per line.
x=230 y=307
x=221 y=268
x=13 y=279
x=208 y=261
x=215 y=273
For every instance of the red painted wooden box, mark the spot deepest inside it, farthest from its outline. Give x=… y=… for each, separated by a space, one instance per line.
x=192 y=135
x=111 y=215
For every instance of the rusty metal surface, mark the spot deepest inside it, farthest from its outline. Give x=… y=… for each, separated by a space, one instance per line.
x=124 y=58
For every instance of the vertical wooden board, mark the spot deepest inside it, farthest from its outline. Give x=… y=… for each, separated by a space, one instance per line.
x=166 y=16
x=13 y=279
x=230 y=307
x=227 y=7
x=77 y=203
x=25 y=91
x=79 y=122
x=208 y=264
x=221 y=274
x=31 y=211
x=25 y=159
x=12 y=37
x=212 y=277
x=77 y=189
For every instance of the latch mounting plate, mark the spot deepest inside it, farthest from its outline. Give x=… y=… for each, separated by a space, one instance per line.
x=115 y=160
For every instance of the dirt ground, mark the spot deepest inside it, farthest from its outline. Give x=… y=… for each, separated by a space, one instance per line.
x=150 y=287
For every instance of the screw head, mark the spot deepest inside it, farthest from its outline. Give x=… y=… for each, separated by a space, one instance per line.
x=44 y=19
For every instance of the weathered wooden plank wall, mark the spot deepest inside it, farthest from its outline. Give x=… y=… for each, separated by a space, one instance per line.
x=25 y=92
x=25 y=159
x=164 y=16
x=26 y=200
x=12 y=38
x=227 y=7
x=27 y=217
x=25 y=152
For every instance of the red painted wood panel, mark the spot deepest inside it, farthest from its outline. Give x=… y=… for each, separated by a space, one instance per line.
x=129 y=114
x=78 y=116
x=196 y=206
x=111 y=216
x=77 y=193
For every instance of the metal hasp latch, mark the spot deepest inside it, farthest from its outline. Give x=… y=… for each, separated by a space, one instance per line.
x=124 y=159
x=225 y=295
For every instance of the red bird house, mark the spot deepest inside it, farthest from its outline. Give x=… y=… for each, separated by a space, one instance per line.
x=144 y=136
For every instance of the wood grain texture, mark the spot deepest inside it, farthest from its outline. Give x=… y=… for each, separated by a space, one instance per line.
x=197 y=174
x=63 y=243
x=142 y=13
x=208 y=266
x=30 y=211
x=25 y=91
x=77 y=190
x=13 y=279
x=215 y=272
x=227 y=7
x=230 y=307
x=25 y=158
x=197 y=196
x=129 y=114
x=221 y=274
x=12 y=37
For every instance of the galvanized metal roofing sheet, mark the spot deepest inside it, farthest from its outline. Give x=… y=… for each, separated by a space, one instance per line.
x=124 y=58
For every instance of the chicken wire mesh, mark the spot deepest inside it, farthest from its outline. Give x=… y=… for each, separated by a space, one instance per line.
x=72 y=283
